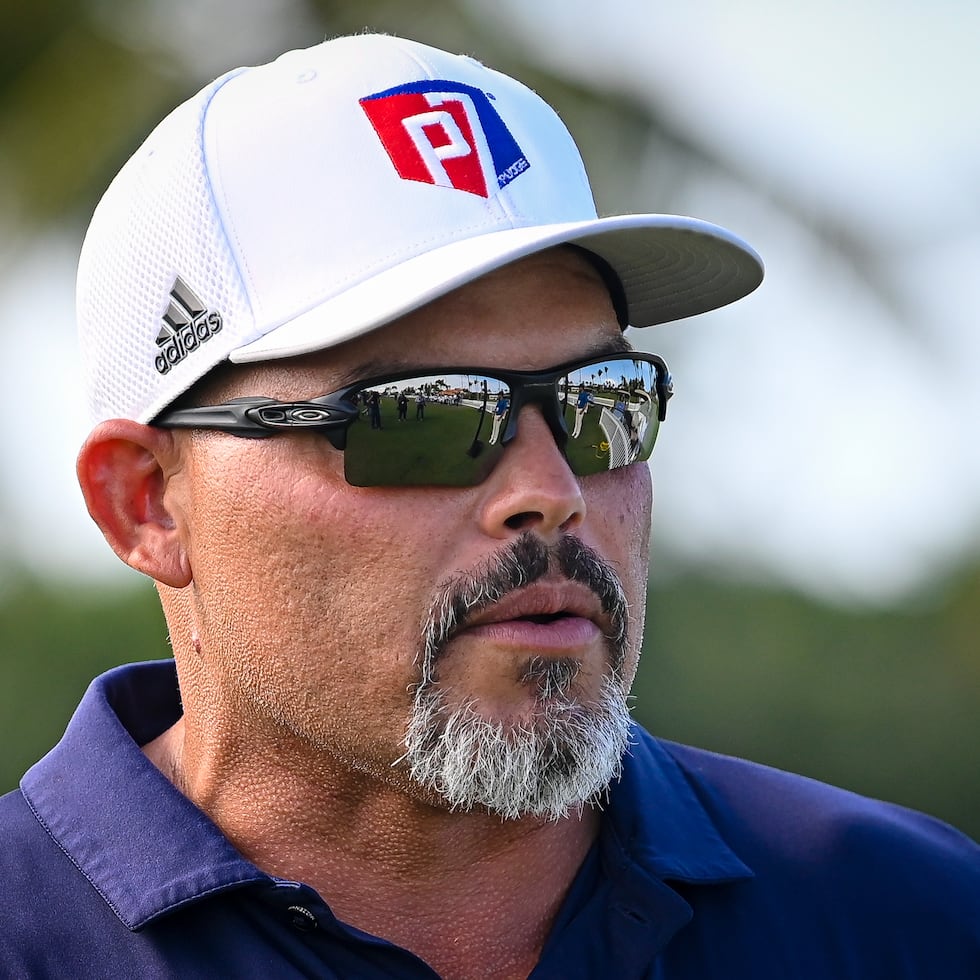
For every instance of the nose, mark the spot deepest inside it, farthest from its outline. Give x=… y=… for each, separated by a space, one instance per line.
x=532 y=487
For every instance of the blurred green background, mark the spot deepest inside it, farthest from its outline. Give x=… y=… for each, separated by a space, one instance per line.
x=882 y=698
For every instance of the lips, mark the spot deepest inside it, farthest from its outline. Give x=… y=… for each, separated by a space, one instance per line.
x=546 y=615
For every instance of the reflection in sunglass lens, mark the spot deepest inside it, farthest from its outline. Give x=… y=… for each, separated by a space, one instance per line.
x=448 y=429
x=611 y=411
x=442 y=430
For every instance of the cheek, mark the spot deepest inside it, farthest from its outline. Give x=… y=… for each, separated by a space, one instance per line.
x=309 y=594
x=308 y=562
x=619 y=509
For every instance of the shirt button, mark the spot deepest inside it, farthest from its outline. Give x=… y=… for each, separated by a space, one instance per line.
x=302 y=918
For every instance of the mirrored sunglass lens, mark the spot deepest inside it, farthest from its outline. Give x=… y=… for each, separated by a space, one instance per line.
x=433 y=430
x=447 y=429
x=611 y=411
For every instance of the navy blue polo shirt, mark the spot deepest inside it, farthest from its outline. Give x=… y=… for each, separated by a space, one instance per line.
x=706 y=867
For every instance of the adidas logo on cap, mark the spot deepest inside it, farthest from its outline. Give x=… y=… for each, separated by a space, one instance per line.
x=187 y=324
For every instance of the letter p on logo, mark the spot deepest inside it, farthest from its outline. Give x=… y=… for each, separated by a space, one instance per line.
x=445 y=134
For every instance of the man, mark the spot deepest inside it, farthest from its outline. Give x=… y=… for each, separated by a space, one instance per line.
x=374 y=409
x=400 y=744
x=500 y=409
x=582 y=403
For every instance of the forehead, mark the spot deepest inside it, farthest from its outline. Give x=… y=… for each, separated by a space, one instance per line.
x=536 y=313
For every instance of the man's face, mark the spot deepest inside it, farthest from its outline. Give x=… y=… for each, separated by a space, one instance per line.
x=365 y=625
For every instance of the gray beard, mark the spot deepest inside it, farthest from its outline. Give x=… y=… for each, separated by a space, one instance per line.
x=569 y=750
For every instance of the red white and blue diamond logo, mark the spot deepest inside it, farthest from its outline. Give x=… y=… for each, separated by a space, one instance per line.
x=447 y=134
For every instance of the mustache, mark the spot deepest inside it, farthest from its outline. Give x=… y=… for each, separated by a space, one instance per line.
x=526 y=560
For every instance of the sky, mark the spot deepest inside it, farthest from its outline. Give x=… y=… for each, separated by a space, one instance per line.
x=822 y=433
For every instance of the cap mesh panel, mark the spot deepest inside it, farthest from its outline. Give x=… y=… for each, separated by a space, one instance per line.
x=156 y=222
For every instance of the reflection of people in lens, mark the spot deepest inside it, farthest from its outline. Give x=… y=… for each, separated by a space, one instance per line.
x=402 y=407
x=633 y=421
x=374 y=408
x=581 y=407
x=419 y=407
x=641 y=421
x=503 y=404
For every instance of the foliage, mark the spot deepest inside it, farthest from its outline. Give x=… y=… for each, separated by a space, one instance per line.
x=54 y=643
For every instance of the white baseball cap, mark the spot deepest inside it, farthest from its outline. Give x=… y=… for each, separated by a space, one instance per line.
x=289 y=207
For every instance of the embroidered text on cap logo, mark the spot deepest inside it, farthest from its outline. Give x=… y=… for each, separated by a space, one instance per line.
x=187 y=324
x=447 y=134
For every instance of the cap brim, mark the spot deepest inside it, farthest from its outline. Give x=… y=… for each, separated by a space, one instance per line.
x=670 y=266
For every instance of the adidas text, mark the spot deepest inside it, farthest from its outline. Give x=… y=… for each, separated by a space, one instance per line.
x=186 y=325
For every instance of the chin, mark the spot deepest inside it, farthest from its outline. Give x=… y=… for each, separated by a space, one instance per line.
x=546 y=762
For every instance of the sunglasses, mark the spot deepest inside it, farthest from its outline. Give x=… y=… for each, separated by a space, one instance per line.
x=449 y=426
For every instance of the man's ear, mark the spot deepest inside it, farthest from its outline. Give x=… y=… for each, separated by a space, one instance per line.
x=123 y=469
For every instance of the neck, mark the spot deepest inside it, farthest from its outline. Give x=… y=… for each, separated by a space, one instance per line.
x=441 y=884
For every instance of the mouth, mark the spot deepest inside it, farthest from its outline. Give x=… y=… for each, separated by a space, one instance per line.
x=548 y=616
x=541 y=601
x=544 y=618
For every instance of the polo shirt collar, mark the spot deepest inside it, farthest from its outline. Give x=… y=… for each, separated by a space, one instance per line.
x=656 y=818
x=141 y=843
x=654 y=832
